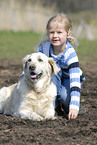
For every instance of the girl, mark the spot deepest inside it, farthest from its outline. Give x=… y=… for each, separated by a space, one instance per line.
x=60 y=48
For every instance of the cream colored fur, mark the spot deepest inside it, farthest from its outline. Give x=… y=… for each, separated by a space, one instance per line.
x=31 y=98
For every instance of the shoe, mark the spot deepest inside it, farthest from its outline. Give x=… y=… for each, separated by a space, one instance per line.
x=59 y=110
x=82 y=109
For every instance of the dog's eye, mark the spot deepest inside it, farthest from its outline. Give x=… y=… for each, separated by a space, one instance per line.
x=40 y=60
x=29 y=60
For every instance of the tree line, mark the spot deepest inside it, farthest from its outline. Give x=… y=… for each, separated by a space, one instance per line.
x=73 y=5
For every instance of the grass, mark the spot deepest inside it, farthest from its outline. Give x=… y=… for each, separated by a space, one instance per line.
x=15 y=45
x=87 y=50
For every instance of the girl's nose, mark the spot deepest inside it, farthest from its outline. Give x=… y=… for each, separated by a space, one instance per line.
x=55 y=34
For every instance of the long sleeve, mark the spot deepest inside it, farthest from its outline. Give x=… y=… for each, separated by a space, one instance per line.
x=40 y=48
x=74 y=74
x=72 y=63
x=44 y=47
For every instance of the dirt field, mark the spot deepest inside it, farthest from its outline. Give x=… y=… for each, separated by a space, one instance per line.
x=82 y=131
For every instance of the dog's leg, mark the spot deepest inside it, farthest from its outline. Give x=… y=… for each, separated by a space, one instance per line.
x=25 y=114
x=49 y=114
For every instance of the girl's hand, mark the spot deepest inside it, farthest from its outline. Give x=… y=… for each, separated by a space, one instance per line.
x=72 y=114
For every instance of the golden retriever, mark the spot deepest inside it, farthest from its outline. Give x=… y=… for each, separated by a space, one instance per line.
x=33 y=96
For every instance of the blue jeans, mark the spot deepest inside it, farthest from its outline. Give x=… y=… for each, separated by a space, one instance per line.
x=63 y=90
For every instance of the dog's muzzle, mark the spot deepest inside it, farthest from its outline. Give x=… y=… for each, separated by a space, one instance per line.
x=33 y=74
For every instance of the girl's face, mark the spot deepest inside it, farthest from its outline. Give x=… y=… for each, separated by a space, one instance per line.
x=57 y=34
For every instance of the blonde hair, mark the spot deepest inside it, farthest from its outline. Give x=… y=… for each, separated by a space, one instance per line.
x=67 y=24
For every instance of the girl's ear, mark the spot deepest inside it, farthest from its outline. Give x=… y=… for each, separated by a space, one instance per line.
x=69 y=33
x=53 y=64
x=24 y=60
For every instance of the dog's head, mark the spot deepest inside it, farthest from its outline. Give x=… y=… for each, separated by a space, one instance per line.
x=38 y=65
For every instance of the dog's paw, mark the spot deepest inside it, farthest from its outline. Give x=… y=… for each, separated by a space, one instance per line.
x=51 y=118
x=37 y=117
x=30 y=115
x=49 y=114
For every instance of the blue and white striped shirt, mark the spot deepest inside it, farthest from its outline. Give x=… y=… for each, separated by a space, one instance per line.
x=69 y=63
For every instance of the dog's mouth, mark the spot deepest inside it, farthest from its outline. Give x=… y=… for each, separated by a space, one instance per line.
x=35 y=75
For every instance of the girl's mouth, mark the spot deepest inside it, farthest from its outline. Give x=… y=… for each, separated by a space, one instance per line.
x=55 y=40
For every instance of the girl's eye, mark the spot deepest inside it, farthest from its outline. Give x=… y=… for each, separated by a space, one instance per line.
x=29 y=60
x=51 y=32
x=59 y=32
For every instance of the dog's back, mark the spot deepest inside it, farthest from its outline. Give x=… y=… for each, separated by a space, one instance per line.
x=5 y=97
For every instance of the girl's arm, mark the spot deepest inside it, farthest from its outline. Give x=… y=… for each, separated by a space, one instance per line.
x=74 y=73
x=75 y=86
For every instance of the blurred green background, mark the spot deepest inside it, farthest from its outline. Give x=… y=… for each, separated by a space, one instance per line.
x=15 y=45
x=23 y=22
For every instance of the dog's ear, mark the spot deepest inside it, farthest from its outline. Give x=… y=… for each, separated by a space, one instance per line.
x=24 y=61
x=53 y=64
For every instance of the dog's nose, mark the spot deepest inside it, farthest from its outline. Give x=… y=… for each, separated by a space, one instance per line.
x=32 y=67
